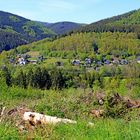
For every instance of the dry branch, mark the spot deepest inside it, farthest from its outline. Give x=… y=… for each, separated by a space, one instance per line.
x=2 y=113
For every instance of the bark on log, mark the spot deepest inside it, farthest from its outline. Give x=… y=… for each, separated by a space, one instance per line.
x=37 y=118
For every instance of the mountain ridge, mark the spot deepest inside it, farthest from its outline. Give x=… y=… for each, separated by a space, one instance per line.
x=62 y=27
x=35 y=30
x=27 y=30
x=127 y=22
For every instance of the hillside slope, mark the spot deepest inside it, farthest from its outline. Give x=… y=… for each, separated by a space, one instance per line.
x=82 y=45
x=128 y=22
x=26 y=29
x=9 y=40
x=63 y=27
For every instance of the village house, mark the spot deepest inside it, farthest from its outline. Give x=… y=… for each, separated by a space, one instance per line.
x=33 y=61
x=88 y=61
x=76 y=62
x=22 y=61
x=99 y=63
x=123 y=62
x=138 y=60
x=115 y=61
x=107 y=62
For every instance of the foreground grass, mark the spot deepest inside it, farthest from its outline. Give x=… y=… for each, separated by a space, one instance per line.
x=106 y=129
x=66 y=104
x=102 y=130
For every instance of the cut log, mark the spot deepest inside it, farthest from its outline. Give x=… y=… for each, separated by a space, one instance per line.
x=37 y=118
x=2 y=113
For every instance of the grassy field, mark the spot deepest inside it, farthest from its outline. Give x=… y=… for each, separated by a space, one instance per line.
x=106 y=129
x=66 y=103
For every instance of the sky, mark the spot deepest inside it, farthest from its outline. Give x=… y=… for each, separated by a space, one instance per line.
x=80 y=11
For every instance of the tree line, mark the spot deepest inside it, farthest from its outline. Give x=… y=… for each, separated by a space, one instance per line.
x=43 y=78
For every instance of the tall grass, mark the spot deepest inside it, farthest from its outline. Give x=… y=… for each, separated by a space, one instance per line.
x=105 y=129
x=68 y=103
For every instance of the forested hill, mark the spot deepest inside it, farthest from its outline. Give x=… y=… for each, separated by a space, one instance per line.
x=10 y=40
x=128 y=22
x=27 y=31
x=63 y=27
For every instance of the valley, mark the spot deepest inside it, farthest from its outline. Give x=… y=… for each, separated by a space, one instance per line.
x=86 y=73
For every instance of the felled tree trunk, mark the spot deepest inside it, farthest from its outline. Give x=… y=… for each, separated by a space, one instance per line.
x=2 y=113
x=37 y=118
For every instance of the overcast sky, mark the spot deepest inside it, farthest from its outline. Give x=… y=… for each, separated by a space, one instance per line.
x=81 y=11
